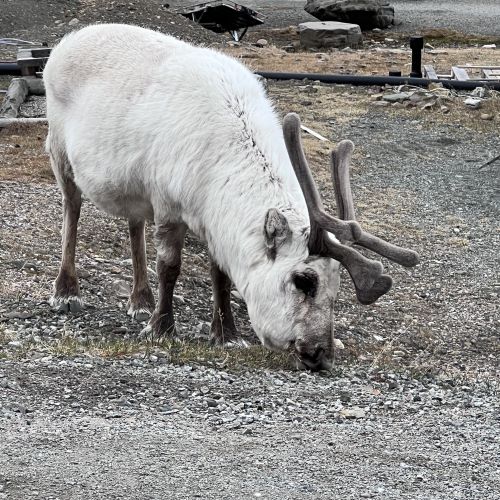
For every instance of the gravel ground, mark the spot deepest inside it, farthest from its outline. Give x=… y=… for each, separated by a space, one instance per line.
x=474 y=17
x=86 y=428
x=411 y=409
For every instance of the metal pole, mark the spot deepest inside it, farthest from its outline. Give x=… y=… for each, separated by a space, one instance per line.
x=416 y=46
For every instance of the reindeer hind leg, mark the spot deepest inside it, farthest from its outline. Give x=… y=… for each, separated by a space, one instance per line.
x=141 y=303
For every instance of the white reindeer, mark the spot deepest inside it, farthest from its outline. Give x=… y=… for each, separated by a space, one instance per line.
x=151 y=128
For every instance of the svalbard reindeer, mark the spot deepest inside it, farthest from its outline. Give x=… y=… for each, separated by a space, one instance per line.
x=152 y=128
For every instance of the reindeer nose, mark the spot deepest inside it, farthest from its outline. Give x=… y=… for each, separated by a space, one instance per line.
x=311 y=355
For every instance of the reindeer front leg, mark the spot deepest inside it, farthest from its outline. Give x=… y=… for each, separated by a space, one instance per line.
x=169 y=240
x=66 y=297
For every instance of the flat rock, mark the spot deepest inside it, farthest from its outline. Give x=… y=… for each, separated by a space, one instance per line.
x=330 y=34
x=399 y=97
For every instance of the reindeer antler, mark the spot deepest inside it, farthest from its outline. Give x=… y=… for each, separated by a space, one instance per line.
x=366 y=274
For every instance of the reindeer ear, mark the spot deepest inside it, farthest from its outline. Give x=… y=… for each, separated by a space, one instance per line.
x=276 y=231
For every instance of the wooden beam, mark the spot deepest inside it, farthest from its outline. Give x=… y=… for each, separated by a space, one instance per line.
x=16 y=94
x=430 y=72
x=7 y=122
x=491 y=74
x=476 y=66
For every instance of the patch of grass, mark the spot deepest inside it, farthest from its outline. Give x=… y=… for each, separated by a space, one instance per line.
x=362 y=61
x=444 y=36
x=175 y=352
x=22 y=154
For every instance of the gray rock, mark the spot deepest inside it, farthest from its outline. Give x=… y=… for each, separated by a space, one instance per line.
x=121 y=288
x=368 y=14
x=380 y=104
x=353 y=413
x=473 y=102
x=329 y=34
x=399 y=97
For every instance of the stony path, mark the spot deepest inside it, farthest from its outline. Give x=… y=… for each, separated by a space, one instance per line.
x=80 y=429
x=465 y=16
x=418 y=419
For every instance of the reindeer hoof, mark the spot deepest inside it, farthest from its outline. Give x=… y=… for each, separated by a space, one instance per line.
x=158 y=329
x=230 y=342
x=72 y=304
x=141 y=304
x=238 y=343
x=141 y=314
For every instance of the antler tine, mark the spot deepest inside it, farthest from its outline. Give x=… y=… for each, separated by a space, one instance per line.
x=293 y=141
x=341 y=160
x=366 y=274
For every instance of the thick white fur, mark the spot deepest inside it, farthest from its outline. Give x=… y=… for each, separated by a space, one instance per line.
x=158 y=129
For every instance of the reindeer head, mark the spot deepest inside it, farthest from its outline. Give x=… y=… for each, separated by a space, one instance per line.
x=306 y=291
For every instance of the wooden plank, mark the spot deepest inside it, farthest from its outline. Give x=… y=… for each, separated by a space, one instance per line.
x=31 y=62
x=430 y=72
x=22 y=53
x=313 y=133
x=490 y=74
x=474 y=66
x=7 y=122
x=460 y=73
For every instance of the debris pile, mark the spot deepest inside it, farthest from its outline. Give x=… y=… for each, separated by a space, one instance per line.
x=435 y=97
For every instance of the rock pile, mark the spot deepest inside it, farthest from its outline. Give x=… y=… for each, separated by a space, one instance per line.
x=368 y=14
x=435 y=97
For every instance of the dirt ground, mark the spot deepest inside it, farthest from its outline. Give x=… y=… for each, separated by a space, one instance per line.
x=410 y=410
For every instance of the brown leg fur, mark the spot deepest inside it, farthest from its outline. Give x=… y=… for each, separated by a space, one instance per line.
x=66 y=296
x=223 y=329
x=141 y=303
x=169 y=240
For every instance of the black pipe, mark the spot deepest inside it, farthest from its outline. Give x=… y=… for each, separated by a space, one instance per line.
x=9 y=68
x=380 y=80
x=416 y=46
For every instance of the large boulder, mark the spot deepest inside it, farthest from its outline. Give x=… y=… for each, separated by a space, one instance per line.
x=368 y=14
x=330 y=34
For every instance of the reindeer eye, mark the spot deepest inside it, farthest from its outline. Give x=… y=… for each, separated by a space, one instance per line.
x=306 y=282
